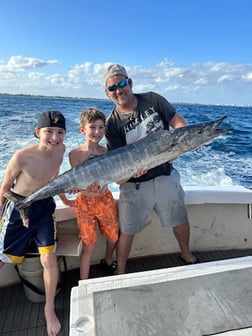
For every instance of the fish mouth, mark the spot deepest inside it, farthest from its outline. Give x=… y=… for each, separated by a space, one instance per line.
x=202 y=133
x=220 y=131
x=215 y=124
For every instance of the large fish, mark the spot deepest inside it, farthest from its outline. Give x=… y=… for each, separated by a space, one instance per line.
x=156 y=148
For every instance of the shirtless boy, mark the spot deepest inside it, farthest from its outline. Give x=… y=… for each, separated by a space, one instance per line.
x=28 y=170
x=92 y=204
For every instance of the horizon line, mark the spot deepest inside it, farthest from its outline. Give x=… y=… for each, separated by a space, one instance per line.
x=106 y=99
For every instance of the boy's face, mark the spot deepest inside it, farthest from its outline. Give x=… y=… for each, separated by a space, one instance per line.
x=94 y=131
x=51 y=136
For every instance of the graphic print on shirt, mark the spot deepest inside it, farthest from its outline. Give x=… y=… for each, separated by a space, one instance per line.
x=141 y=124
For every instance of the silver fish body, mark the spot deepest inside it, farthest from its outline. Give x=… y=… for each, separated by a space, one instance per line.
x=158 y=147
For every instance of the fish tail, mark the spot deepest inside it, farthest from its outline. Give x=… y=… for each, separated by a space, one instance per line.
x=12 y=196
x=18 y=202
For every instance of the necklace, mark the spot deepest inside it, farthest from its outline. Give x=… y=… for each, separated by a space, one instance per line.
x=131 y=114
x=130 y=109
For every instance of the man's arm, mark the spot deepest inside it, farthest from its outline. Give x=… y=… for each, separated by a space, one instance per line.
x=177 y=121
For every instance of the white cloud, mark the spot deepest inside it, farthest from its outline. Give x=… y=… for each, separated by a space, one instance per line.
x=57 y=79
x=35 y=76
x=20 y=63
x=201 y=81
x=209 y=82
x=247 y=76
x=225 y=78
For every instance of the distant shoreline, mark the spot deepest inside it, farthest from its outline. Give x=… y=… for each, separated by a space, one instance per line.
x=105 y=99
x=52 y=97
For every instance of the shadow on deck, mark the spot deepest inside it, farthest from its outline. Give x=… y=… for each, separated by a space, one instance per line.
x=20 y=317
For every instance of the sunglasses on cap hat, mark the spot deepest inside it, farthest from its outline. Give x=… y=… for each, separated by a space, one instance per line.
x=119 y=85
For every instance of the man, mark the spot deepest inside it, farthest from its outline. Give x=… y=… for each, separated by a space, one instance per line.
x=132 y=118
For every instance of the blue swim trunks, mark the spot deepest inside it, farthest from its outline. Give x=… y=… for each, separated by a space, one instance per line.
x=15 y=238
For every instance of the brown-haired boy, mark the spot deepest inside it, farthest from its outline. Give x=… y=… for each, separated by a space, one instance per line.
x=93 y=205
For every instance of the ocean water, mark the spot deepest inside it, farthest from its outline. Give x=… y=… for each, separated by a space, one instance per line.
x=225 y=161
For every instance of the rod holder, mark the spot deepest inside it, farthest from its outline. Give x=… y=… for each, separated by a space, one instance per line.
x=249 y=211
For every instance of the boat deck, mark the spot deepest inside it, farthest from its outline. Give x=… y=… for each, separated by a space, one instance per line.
x=20 y=317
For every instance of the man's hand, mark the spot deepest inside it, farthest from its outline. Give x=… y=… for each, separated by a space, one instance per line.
x=139 y=172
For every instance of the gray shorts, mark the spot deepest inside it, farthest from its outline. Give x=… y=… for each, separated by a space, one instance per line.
x=163 y=194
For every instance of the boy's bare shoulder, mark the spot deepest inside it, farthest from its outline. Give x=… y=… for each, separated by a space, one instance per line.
x=26 y=151
x=103 y=149
x=77 y=151
x=62 y=148
x=78 y=155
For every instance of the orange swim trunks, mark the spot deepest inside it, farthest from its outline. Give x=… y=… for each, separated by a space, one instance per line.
x=101 y=210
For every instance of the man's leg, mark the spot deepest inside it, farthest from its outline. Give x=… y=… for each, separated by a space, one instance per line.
x=1 y=264
x=182 y=234
x=123 y=250
x=51 y=276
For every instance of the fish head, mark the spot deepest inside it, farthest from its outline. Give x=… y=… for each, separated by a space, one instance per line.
x=193 y=136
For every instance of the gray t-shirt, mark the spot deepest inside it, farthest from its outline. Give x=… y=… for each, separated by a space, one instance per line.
x=152 y=112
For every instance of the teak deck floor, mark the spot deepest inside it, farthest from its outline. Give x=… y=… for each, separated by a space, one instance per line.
x=20 y=317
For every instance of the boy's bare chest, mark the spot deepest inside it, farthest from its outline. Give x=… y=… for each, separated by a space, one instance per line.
x=43 y=169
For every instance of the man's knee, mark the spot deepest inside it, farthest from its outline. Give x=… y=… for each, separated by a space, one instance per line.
x=182 y=228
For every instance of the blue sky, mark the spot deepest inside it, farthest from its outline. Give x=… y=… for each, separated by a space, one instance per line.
x=196 y=51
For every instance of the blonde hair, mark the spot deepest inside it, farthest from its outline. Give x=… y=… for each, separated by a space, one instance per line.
x=90 y=115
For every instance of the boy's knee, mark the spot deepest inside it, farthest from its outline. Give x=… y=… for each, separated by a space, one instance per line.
x=48 y=260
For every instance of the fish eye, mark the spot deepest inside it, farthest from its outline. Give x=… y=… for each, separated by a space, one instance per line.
x=200 y=131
